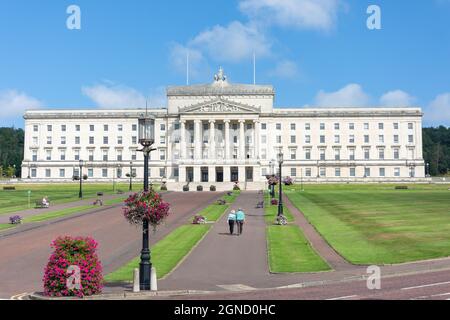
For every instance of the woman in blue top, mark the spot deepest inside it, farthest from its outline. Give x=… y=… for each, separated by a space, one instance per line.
x=240 y=219
x=231 y=221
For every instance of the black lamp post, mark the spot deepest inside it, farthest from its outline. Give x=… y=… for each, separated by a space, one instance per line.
x=146 y=139
x=272 y=172
x=280 y=197
x=80 y=195
x=131 y=176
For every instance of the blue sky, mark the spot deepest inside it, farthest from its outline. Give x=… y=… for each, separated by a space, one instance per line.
x=315 y=52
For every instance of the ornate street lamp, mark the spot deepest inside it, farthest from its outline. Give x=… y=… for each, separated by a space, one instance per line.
x=81 y=163
x=131 y=176
x=280 y=188
x=146 y=139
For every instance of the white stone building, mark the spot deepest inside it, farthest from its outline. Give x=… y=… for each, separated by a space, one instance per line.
x=222 y=132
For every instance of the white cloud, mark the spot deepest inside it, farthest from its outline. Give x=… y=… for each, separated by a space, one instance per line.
x=397 y=98
x=351 y=95
x=110 y=96
x=232 y=43
x=14 y=103
x=300 y=14
x=438 y=111
x=285 y=69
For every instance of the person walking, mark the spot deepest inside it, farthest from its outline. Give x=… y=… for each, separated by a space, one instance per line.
x=240 y=220
x=232 y=221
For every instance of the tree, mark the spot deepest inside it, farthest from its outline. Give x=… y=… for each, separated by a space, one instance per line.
x=436 y=149
x=11 y=149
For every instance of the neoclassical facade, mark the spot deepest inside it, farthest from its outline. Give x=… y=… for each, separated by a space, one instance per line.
x=222 y=132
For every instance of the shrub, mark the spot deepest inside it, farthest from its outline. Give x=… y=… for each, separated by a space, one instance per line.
x=274 y=202
x=212 y=188
x=236 y=186
x=15 y=220
x=78 y=252
x=221 y=202
x=288 y=181
x=9 y=188
x=186 y=188
x=401 y=188
x=199 y=188
x=273 y=181
x=199 y=220
x=163 y=187
x=85 y=177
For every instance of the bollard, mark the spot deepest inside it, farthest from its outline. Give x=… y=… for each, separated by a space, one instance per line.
x=153 y=283
x=136 y=284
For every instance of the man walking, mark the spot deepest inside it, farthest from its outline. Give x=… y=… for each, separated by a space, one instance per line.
x=232 y=221
x=240 y=220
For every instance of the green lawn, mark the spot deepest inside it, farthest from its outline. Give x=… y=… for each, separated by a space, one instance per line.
x=57 y=214
x=376 y=224
x=12 y=201
x=271 y=211
x=5 y=226
x=213 y=212
x=290 y=252
x=166 y=254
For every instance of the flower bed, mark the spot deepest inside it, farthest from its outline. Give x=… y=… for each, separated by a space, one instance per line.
x=15 y=220
x=74 y=269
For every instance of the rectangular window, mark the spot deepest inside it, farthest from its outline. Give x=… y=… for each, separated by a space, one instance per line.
x=381 y=139
x=35 y=128
x=77 y=155
x=381 y=154
x=264 y=139
x=367 y=172
x=322 y=155
x=119 y=140
x=120 y=127
x=322 y=126
x=410 y=138
x=337 y=139
x=104 y=173
x=77 y=140
x=323 y=172
x=77 y=127
x=336 y=126
x=352 y=172
x=49 y=140
x=293 y=126
x=34 y=156
x=381 y=126
x=91 y=140
x=177 y=126
x=293 y=139
x=162 y=140
x=351 y=139
x=308 y=172
x=293 y=154
x=134 y=140
x=49 y=128
x=48 y=173
x=410 y=126
x=105 y=140
x=48 y=155
x=263 y=126
x=293 y=172
x=366 y=154
x=134 y=127
x=278 y=139
x=162 y=155
x=63 y=155
x=176 y=172
x=397 y=172
x=307 y=126
x=351 y=126
x=63 y=128
x=396 y=154
x=33 y=173
x=307 y=139
x=351 y=154
x=162 y=172
x=119 y=155
x=337 y=172
x=35 y=141
x=91 y=128
x=278 y=126
x=91 y=155
x=322 y=139
x=105 y=127
x=162 y=127
x=133 y=155
x=366 y=139
x=395 y=125
x=396 y=139
x=62 y=173
x=337 y=154
x=105 y=155
x=308 y=154
x=366 y=126
x=91 y=173
x=382 y=172
x=63 y=140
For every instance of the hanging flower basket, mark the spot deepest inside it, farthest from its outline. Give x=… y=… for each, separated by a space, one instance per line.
x=146 y=206
x=273 y=181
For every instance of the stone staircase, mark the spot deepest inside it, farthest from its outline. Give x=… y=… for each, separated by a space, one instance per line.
x=220 y=186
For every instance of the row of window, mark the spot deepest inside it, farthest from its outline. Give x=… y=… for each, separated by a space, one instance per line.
x=63 y=173
x=338 y=172
x=92 y=127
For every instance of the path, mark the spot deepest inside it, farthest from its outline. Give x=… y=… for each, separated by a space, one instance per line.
x=225 y=261
x=25 y=254
x=336 y=261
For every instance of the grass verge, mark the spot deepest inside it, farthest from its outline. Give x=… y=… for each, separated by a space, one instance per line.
x=166 y=254
x=289 y=251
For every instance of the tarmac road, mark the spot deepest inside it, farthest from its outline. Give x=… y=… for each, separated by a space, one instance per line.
x=24 y=255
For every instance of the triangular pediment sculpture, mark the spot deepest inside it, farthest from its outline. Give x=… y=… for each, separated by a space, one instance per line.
x=220 y=106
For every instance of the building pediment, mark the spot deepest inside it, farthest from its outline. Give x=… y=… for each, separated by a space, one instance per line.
x=220 y=106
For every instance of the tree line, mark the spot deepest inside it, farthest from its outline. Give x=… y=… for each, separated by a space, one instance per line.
x=436 y=150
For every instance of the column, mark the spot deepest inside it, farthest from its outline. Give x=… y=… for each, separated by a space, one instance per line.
x=197 y=174
x=183 y=140
x=227 y=141
x=198 y=140
x=182 y=174
x=212 y=140
x=257 y=139
x=211 y=174
x=226 y=174
x=242 y=139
